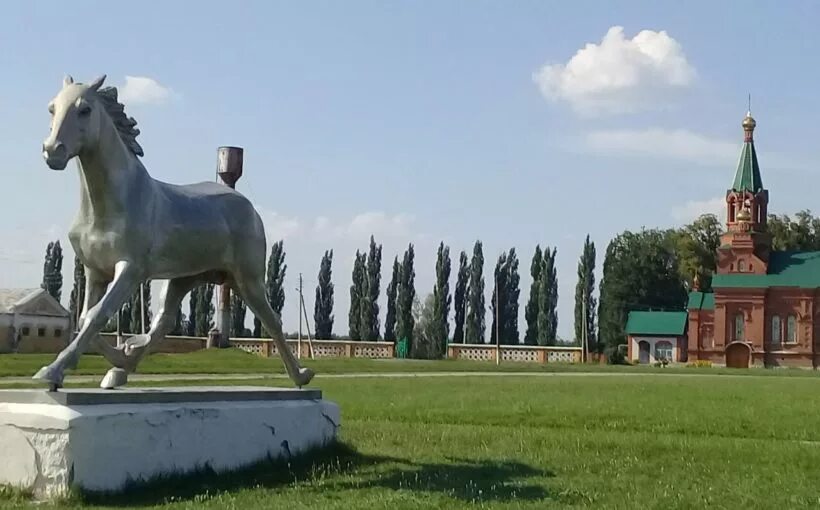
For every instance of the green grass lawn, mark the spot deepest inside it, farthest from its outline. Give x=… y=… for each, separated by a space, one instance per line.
x=530 y=442
x=235 y=361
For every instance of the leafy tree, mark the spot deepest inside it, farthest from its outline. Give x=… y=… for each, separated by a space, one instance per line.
x=77 y=296
x=274 y=283
x=640 y=273
x=53 y=270
x=583 y=294
x=238 y=312
x=475 y=326
x=426 y=343
x=180 y=323
x=358 y=295
x=441 y=298
x=406 y=294
x=547 y=318
x=392 y=289
x=193 y=301
x=323 y=307
x=504 y=303
x=204 y=310
x=801 y=233
x=460 y=302
x=370 y=289
x=137 y=319
x=531 y=311
x=696 y=247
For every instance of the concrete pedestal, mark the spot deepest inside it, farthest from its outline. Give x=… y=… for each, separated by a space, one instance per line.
x=100 y=440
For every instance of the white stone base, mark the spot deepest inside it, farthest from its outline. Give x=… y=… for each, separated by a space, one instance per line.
x=48 y=447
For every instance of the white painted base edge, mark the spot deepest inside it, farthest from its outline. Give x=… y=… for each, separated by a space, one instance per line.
x=50 y=448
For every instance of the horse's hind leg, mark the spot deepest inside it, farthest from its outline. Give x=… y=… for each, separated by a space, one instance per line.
x=135 y=347
x=252 y=291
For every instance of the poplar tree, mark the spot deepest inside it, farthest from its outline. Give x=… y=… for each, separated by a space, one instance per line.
x=357 y=297
x=459 y=299
x=53 y=270
x=238 y=312
x=406 y=296
x=370 y=289
x=583 y=294
x=441 y=299
x=475 y=325
x=392 y=290
x=274 y=283
x=531 y=312
x=323 y=306
x=77 y=297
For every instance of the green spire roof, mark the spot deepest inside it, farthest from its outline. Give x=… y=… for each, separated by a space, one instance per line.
x=747 y=177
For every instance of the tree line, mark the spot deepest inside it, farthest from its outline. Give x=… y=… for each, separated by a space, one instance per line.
x=652 y=269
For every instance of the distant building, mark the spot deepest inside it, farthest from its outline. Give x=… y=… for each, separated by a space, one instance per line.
x=763 y=305
x=657 y=336
x=31 y=320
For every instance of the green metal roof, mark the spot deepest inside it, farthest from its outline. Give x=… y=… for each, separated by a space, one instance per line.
x=786 y=269
x=701 y=301
x=656 y=323
x=747 y=177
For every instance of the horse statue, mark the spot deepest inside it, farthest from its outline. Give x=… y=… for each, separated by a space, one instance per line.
x=131 y=228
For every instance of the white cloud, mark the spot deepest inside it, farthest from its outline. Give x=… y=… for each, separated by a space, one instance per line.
x=376 y=223
x=619 y=75
x=278 y=226
x=692 y=209
x=143 y=90
x=679 y=144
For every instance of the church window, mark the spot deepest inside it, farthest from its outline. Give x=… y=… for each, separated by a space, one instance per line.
x=26 y=331
x=41 y=331
x=58 y=333
x=663 y=351
x=777 y=330
x=741 y=266
x=791 y=329
x=739 y=327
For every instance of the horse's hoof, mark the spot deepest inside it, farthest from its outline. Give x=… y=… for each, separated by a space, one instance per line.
x=114 y=378
x=304 y=377
x=50 y=375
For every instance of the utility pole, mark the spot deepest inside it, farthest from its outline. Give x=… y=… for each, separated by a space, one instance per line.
x=497 y=326
x=584 y=331
x=299 y=338
x=303 y=310
x=142 y=307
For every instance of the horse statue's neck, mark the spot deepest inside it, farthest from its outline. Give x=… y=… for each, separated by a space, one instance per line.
x=108 y=172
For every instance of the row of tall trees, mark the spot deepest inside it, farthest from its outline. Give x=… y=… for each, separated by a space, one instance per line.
x=649 y=269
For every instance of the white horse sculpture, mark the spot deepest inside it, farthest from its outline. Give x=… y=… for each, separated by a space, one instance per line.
x=132 y=228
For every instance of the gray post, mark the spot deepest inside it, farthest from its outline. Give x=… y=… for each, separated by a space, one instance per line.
x=229 y=167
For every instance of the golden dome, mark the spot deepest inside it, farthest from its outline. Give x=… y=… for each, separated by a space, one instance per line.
x=744 y=215
x=749 y=122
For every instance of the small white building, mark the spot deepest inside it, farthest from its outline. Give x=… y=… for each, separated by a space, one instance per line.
x=31 y=320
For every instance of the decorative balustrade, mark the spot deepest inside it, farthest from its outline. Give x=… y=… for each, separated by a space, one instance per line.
x=321 y=348
x=520 y=353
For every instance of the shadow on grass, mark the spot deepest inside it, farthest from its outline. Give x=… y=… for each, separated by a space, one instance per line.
x=332 y=460
x=464 y=479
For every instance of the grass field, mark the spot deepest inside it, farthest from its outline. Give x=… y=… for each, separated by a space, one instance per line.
x=536 y=442
x=235 y=361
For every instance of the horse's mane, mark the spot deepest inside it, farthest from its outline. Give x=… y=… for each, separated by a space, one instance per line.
x=126 y=126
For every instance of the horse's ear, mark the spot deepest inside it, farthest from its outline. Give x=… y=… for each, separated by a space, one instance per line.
x=96 y=84
x=68 y=80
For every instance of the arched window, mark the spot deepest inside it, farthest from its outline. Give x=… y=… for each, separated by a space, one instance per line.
x=739 y=327
x=663 y=351
x=777 y=330
x=791 y=330
x=741 y=265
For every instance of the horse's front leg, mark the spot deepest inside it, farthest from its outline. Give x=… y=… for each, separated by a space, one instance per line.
x=126 y=279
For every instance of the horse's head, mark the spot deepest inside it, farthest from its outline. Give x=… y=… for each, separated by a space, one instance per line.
x=75 y=120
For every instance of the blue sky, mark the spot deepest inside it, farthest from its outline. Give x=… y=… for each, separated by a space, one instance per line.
x=423 y=121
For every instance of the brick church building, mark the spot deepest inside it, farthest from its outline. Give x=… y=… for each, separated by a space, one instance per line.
x=762 y=309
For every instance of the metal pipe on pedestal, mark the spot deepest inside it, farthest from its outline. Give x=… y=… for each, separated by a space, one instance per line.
x=229 y=168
